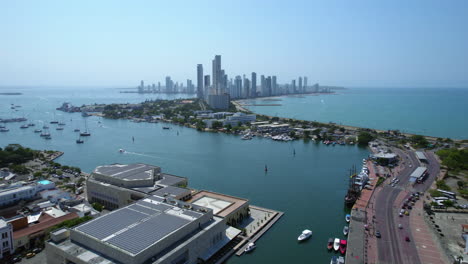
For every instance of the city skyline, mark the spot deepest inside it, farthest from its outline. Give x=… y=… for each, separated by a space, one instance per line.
x=335 y=43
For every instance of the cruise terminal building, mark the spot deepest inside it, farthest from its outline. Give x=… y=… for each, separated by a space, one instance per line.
x=152 y=230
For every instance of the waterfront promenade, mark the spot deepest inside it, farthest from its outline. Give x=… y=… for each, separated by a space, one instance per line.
x=380 y=208
x=358 y=251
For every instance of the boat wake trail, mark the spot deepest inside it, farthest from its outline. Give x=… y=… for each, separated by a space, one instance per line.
x=139 y=154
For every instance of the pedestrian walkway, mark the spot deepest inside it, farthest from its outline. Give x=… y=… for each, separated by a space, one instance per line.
x=428 y=251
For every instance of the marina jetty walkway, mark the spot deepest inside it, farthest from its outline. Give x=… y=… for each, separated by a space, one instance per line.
x=358 y=251
x=258 y=227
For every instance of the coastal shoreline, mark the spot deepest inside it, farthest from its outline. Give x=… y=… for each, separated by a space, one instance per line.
x=241 y=107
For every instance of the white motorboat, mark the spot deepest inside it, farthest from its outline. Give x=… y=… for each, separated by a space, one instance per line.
x=306 y=234
x=250 y=247
x=345 y=230
x=336 y=244
x=121 y=150
x=340 y=260
x=348 y=218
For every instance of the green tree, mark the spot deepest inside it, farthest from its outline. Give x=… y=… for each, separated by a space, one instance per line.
x=364 y=138
x=216 y=125
x=98 y=207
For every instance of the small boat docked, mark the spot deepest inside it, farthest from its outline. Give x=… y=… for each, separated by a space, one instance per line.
x=24 y=126
x=45 y=127
x=330 y=244
x=345 y=230
x=54 y=122
x=165 y=127
x=334 y=260
x=76 y=130
x=4 y=129
x=348 y=218
x=246 y=137
x=340 y=260
x=306 y=234
x=343 y=244
x=336 y=244
x=37 y=130
x=79 y=141
x=59 y=128
x=250 y=247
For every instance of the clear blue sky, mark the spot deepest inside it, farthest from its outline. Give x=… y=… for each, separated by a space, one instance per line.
x=349 y=43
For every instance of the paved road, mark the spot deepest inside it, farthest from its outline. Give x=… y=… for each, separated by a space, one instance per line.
x=392 y=247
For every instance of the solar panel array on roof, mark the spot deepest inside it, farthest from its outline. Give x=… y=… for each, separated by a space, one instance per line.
x=142 y=209
x=109 y=224
x=192 y=213
x=160 y=207
x=147 y=233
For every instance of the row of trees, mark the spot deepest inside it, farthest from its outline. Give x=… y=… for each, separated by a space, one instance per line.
x=15 y=154
x=454 y=159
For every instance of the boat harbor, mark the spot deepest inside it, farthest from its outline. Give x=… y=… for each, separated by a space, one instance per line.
x=258 y=227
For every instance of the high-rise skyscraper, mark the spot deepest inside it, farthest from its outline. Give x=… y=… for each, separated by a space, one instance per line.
x=293 y=86
x=300 y=85
x=262 y=85
x=274 y=86
x=218 y=76
x=200 y=87
x=169 y=85
x=268 y=86
x=305 y=85
x=246 y=91
x=254 y=84
x=237 y=87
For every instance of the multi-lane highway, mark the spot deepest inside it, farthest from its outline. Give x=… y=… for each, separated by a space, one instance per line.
x=392 y=246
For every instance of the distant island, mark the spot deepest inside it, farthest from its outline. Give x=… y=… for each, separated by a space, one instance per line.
x=11 y=93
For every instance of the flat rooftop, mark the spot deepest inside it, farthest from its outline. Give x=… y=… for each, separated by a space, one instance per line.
x=418 y=172
x=221 y=204
x=138 y=226
x=136 y=171
x=421 y=155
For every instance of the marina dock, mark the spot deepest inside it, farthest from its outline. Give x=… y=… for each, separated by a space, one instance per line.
x=260 y=232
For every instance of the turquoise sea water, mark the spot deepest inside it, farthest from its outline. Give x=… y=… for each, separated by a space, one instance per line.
x=432 y=112
x=308 y=187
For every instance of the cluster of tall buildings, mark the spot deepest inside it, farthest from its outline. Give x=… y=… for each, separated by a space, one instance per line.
x=218 y=89
x=169 y=87
x=221 y=87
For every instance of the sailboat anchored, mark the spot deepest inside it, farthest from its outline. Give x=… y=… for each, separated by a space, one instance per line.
x=86 y=132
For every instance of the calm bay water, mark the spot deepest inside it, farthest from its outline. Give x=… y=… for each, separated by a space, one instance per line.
x=308 y=187
x=432 y=112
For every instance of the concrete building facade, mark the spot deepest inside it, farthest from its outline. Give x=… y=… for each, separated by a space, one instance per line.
x=6 y=238
x=118 y=185
x=153 y=230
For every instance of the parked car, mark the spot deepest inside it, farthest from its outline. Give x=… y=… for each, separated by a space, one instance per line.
x=30 y=255
x=407 y=239
x=36 y=250
x=17 y=259
x=378 y=235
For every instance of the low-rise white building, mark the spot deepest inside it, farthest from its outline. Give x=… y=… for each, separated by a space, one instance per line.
x=241 y=118
x=6 y=238
x=14 y=193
